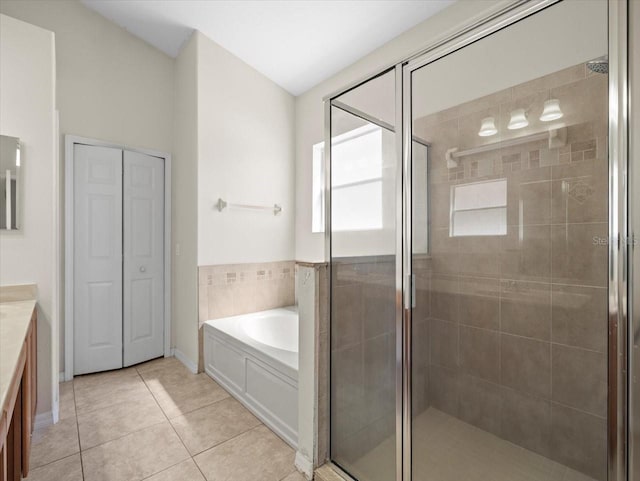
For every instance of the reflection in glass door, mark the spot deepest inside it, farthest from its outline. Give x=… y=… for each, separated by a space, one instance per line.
x=363 y=280
x=509 y=329
x=470 y=288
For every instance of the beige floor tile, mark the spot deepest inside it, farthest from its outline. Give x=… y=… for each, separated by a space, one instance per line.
x=112 y=422
x=255 y=455
x=214 y=424
x=54 y=442
x=135 y=456
x=88 y=381
x=295 y=476
x=66 y=469
x=162 y=363
x=67 y=401
x=184 y=471
x=93 y=395
x=183 y=393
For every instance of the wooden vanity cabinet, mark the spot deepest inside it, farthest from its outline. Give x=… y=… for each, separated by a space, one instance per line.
x=18 y=414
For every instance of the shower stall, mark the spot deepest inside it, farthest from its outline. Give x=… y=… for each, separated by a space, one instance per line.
x=476 y=218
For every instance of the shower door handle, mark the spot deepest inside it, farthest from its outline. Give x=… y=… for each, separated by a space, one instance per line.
x=410 y=296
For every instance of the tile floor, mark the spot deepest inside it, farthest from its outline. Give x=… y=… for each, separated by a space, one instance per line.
x=448 y=449
x=156 y=422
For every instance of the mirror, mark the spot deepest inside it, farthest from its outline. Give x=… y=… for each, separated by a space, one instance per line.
x=9 y=182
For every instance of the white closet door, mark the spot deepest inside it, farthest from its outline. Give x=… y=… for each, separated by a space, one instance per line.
x=97 y=258
x=143 y=257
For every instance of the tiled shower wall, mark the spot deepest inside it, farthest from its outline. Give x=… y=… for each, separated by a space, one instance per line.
x=234 y=289
x=510 y=331
x=363 y=394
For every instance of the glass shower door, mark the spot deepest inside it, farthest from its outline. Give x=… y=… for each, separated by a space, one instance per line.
x=363 y=280
x=509 y=254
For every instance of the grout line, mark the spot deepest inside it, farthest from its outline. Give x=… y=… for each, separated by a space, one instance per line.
x=165 y=469
x=123 y=436
x=52 y=462
x=191 y=456
x=260 y=423
x=75 y=408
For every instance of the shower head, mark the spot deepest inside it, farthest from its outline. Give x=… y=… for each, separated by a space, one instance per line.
x=599 y=65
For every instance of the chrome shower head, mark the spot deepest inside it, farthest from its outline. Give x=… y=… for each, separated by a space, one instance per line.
x=599 y=65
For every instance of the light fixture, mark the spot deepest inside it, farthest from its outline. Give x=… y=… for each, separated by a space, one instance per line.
x=518 y=119
x=18 y=156
x=488 y=127
x=551 y=110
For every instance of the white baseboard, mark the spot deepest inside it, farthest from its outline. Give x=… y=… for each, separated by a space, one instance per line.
x=190 y=365
x=304 y=465
x=43 y=420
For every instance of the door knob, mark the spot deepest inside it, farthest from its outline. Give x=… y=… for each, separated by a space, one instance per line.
x=143 y=269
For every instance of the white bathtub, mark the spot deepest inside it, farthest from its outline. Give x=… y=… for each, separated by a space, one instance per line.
x=255 y=357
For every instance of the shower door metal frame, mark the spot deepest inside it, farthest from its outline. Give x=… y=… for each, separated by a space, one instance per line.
x=618 y=265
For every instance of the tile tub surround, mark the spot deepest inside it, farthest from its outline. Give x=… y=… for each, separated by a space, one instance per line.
x=234 y=289
x=169 y=435
x=514 y=327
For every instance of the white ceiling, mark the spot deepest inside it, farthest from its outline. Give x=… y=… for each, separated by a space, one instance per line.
x=296 y=43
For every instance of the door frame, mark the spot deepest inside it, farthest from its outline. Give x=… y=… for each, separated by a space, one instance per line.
x=69 y=218
x=618 y=251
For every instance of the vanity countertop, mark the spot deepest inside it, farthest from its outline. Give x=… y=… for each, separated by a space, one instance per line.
x=15 y=318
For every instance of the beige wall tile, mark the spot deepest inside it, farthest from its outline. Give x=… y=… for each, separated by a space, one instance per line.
x=579 y=316
x=579 y=379
x=444 y=389
x=526 y=421
x=579 y=440
x=444 y=339
x=347 y=315
x=580 y=191
x=480 y=403
x=525 y=309
x=526 y=253
x=580 y=254
x=556 y=79
x=445 y=295
x=479 y=256
x=480 y=353
x=480 y=302
x=525 y=365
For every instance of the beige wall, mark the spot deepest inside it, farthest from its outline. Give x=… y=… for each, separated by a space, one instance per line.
x=110 y=85
x=184 y=208
x=27 y=111
x=245 y=155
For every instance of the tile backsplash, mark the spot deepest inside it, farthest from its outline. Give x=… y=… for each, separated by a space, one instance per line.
x=234 y=289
